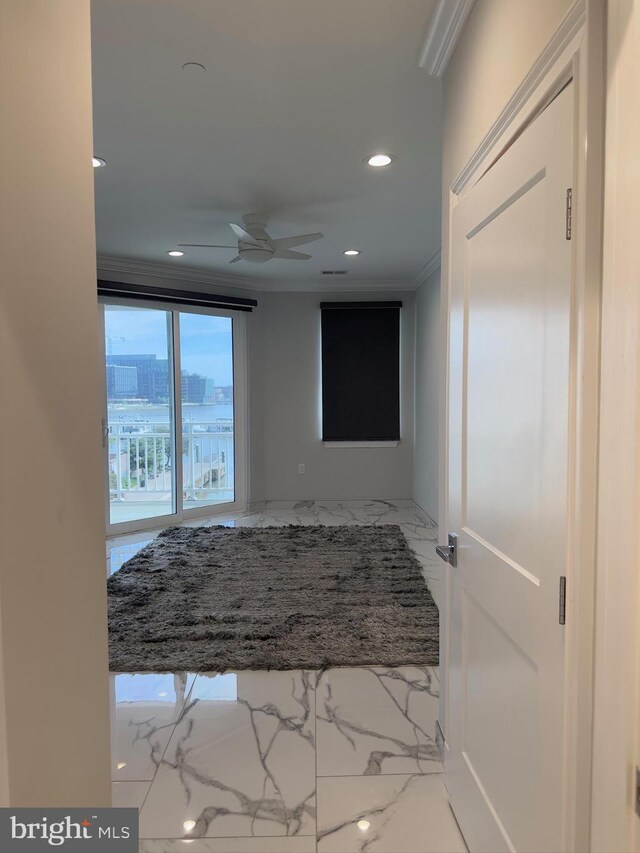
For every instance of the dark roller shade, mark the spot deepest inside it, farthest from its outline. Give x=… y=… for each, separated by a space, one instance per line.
x=177 y=297
x=360 y=371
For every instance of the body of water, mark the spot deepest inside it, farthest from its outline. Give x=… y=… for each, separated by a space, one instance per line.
x=155 y=414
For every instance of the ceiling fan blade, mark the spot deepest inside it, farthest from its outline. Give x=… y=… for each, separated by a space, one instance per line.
x=239 y=231
x=294 y=256
x=235 y=260
x=206 y=246
x=290 y=242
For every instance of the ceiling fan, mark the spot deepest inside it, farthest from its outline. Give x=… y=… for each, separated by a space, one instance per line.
x=255 y=245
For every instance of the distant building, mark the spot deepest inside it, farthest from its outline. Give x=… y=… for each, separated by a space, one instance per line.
x=122 y=382
x=197 y=389
x=152 y=375
x=223 y=394
x=147 y=378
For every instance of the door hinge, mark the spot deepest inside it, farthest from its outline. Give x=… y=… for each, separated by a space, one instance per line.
x=562 y=605
x=569 y=211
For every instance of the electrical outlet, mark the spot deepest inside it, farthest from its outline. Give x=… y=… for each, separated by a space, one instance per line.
x=302 y=469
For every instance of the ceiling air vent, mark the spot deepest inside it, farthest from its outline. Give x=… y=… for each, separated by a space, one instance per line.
x=335 y=272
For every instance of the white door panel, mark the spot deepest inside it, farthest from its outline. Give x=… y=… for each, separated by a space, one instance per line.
x=510 y=433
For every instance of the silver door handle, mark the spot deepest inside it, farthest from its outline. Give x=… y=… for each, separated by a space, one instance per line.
x=449 y=552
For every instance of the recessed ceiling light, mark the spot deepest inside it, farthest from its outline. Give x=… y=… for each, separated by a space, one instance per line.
x=175 y=253
x=351 y=252
x=363 y=825
x=98 y=162
x=189 y=825
x=378 y=160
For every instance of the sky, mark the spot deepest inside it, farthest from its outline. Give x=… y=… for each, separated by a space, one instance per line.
x=205 y=341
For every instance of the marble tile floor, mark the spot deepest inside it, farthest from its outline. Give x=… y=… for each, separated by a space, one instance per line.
x=286 y=762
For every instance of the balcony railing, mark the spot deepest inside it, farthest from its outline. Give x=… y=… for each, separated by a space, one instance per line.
x=141 y=463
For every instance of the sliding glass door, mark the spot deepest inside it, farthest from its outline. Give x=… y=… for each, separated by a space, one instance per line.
x=206 y=394
x=140 y=413
x=172 y=438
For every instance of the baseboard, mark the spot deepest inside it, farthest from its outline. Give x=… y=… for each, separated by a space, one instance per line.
x=430 y=517
x=440 y=741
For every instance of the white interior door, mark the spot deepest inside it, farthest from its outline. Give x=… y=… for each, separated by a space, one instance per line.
x=510 y=436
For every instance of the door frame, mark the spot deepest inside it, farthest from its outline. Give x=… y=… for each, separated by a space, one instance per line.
x=240 y=411
x=575 y=52
x=616 y=737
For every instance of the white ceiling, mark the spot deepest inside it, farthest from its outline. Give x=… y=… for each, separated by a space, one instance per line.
x=296 y=94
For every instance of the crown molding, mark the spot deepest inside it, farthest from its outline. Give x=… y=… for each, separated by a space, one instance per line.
x=183 y=274
x=445 y=26
x=339 y=286
x=430 y=266
x=108 y=263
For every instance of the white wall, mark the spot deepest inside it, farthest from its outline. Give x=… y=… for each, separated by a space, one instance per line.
x=283 y=363
x=53 y=603
x=500 y=42
x=291 y=409
x=428 y=350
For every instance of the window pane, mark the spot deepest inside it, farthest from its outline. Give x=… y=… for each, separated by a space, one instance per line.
x=140 y=413
x=206 y=358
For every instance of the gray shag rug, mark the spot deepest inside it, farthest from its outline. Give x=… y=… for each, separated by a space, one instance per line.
x=215 y=598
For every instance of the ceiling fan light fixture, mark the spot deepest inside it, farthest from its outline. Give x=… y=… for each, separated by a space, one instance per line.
x=256 y=246
x=379 y=160
x=175 y=253
x=255 y=254
x=194 y=67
